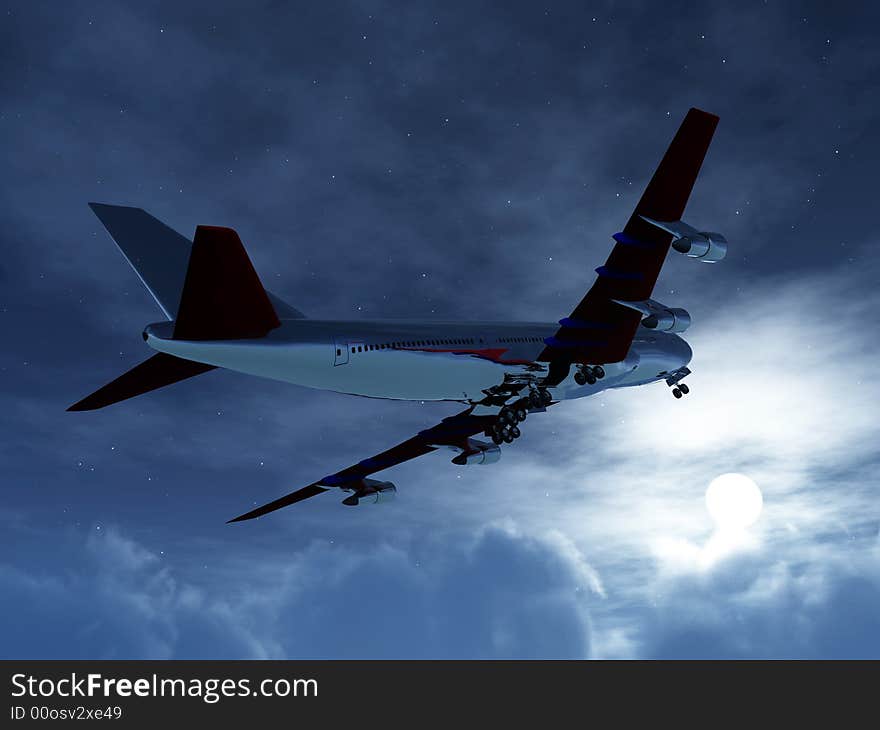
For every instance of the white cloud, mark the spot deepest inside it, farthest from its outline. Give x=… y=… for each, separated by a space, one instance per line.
x=500 y=592
x=782 y=380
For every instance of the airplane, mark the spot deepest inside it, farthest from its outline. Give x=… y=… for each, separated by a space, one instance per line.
x=218 y=315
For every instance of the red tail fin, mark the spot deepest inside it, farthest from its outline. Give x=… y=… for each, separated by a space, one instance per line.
x=222 y=297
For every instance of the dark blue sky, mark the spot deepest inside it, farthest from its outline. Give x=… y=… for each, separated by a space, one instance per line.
x=470 y=161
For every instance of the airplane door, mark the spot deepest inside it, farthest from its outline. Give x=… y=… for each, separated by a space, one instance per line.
x=340 y=353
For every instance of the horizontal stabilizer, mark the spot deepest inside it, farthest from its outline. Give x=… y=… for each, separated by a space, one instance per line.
x=157 y=372
x=298 y=496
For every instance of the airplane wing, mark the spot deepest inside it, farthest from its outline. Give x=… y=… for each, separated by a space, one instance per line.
x=599 y=331
x=452 y=431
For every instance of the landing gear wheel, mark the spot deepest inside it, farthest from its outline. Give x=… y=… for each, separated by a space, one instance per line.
x=590 y=378
x=535 y=399
x=683 y=388
x=521 y=413
x=676 y=392
x=508 y=437
x=507 y=416
x=580 y=378
x=515 y=432
x=546 y=398
x=599 y=372
x=497 y=438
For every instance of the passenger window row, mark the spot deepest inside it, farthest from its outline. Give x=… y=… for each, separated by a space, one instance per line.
x=432 y=343
x=416 y=343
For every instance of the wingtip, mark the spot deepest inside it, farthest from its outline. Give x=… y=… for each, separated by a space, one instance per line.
x=300 y=494
x=703 y=113
x=96 y=207
x=89 y=403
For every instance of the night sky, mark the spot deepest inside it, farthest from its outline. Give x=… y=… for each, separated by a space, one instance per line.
x=445 y=161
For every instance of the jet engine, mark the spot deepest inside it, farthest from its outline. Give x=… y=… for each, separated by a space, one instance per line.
x=708 y=247
x=668 y=320
x=657 y=316
x=703 y=245
x=372 y=492
x=478 y=452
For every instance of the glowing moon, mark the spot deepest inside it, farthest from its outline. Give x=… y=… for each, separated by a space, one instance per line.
x=734 y=501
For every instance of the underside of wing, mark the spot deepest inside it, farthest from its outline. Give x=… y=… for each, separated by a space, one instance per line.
x=454 y=431
x=298 y=496
x=600 y=330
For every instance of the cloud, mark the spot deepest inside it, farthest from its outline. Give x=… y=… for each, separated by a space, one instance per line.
x=114 y=598
x=782 y=374
x=110 y=598
x=756 y=605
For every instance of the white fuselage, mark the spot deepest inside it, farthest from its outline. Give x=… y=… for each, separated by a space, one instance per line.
x=406 y=360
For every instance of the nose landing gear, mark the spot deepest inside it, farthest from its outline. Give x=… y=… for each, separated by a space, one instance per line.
x=674 y=381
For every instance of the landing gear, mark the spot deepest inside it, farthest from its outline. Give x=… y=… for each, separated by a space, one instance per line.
x=505 y=429
x=513 y=414
x=507 y=416
x=589 y=374
x=674 y=381
x=537 y=398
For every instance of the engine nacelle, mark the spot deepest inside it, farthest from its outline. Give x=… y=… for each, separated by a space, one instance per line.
x=657 y=316
x=707 y=247
x=702 y=245
x=373 y=492
x=478 y=452
x=668 y=320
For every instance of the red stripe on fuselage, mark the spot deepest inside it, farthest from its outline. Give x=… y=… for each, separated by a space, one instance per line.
x=494 y=354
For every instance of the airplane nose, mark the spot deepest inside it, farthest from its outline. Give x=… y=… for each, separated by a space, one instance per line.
x=686 y=352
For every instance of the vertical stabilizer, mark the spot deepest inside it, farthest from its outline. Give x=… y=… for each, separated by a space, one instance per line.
x=223 y=297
